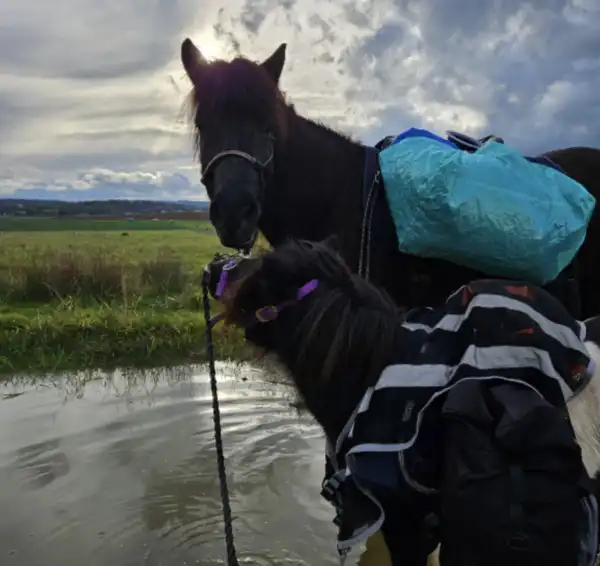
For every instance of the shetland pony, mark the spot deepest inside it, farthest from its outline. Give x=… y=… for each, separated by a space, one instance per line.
x=334 y=333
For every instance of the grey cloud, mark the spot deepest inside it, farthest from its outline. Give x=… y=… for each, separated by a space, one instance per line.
x=11 y=110
x=222 y=31
x=478 y=60
x=71 y=61
x=253 y=15
x=70 y=162
x=83 y=47
x=445 y=22
x=386 y=37
x=125 y=136
x=110 y=184
x=144 y=108
x=140 y=181
x=326 y=29
x=19 y=106
x=527 y=71
x=254 y=12
x=354 y=16
x=323 y=58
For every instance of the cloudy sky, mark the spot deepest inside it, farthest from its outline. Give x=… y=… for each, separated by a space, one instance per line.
x=91 y=91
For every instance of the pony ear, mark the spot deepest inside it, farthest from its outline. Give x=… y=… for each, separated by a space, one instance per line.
x=193 y=61
x=274 y=63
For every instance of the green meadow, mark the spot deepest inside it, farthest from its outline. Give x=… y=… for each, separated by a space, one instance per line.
x=86 y=293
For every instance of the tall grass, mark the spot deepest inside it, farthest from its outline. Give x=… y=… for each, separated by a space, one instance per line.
x=105 y=267
x=99 y=299
x=95 y=277
x=51 y=340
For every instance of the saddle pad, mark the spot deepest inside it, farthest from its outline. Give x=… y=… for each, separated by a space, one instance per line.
x=491 y=210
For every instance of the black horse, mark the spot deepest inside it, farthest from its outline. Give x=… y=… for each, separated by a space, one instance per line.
x=335 y=334
x=268 y=169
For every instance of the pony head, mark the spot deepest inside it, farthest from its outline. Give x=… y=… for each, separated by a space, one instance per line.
x=269 y=295
x=332 y=331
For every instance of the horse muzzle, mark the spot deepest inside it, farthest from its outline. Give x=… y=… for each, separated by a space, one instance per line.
x=238 y=232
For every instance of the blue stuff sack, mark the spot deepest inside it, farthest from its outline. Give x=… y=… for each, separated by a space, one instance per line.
x=491 y=210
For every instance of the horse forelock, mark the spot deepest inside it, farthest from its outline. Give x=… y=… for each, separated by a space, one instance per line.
x=238 y=88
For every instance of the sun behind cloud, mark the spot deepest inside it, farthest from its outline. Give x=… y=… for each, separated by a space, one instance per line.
x=209 y=45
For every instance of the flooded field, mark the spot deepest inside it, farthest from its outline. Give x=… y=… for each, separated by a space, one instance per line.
x=120 y=470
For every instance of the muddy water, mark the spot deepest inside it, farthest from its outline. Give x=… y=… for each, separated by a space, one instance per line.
x=116 y=470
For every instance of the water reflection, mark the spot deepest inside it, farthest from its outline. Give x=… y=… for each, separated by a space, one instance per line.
x=120 y=469
x=41 y=463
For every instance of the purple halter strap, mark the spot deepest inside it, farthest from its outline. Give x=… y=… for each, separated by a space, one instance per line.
x=223 y=279
x=264 y=314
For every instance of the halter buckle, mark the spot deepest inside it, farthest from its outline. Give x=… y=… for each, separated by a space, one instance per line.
x=267 y=313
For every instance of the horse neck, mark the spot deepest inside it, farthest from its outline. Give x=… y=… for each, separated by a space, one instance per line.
x=374 y=345
x=317 y=189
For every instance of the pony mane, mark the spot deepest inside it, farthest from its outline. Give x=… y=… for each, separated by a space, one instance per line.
x=349 y=329
x=337 y=340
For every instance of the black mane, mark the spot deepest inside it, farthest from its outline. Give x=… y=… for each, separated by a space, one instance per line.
x=335 y=342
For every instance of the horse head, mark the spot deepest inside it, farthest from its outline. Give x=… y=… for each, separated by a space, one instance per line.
x=239 y=115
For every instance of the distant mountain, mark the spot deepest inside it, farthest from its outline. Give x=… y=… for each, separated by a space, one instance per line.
x=201 y=204
x=109 y=207
x=115 y=191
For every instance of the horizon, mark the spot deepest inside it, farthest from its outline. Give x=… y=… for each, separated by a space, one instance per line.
x=128 y=199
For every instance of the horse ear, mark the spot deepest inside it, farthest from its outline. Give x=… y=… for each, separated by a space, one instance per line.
x=274 y=63
x=193 y=61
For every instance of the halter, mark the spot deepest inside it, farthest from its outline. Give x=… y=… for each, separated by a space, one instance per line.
x=257 y=165
x=268 y=313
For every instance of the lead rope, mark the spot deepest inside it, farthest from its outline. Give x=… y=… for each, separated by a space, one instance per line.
x=210 y=350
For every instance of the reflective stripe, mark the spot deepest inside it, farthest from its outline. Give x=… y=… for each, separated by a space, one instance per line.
x=441 y=378
x=417 y=326
x=408 y=375
x=561 y=333
x=399 y=446
x=486 y=358
x=499 y=357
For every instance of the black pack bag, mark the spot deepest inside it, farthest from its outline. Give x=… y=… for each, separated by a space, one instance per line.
x=513 y=484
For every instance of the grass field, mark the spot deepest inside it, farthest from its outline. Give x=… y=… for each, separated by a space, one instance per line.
x=102 y=293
